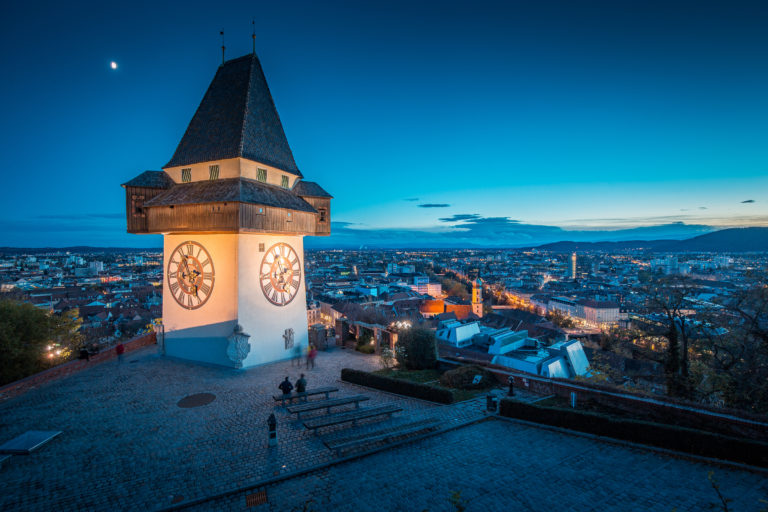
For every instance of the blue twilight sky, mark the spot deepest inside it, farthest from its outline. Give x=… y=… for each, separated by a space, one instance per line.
x=485 y=123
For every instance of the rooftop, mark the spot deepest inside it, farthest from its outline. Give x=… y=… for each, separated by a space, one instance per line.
x=241 y=190
x=236 y=118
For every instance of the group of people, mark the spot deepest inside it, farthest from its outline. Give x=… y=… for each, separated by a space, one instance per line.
x=286 y=387
x=301 y=384
x=311 y=355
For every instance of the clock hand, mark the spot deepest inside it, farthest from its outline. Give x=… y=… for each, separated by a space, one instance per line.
x=186 y=267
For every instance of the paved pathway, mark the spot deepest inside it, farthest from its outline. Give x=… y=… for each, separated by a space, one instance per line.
x=500 y=465
x=127 y=446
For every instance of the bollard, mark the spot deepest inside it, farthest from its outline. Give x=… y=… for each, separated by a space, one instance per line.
x=573 y=399
x=511 y=381
x=490 y=403
x=272 y=424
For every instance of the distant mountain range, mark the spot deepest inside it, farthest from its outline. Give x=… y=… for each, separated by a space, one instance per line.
x=725 y=240
x=79 y=249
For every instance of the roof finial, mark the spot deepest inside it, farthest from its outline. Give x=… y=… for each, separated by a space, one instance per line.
x=222 y=47
x=253 y=35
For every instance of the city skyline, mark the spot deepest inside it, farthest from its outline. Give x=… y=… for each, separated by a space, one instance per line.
x=535 y=123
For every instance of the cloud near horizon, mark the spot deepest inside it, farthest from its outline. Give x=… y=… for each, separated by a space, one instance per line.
x=748 y=201
x=472 y=230
x=458 y=217
x=434 y=205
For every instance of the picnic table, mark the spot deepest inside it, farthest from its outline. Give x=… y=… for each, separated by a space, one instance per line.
x=306 y=394
x=350 y=416
x=326 y=404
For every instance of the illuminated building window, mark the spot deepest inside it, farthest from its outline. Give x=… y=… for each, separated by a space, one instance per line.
x=284 y=181
x=261 y=175
x=214 y=169
x=186 y=175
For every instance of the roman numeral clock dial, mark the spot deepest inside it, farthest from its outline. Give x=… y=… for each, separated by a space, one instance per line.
x=280 y=274
x=190 y=275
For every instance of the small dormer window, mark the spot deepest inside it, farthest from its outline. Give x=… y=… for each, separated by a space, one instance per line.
x=214 y=172
x=186 y=175
x=261 y=175
x=284 y=181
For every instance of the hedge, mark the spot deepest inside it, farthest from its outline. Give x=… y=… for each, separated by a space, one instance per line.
x=397 y=386
x=673 y=437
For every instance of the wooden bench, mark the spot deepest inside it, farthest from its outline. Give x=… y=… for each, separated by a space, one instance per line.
x=341 y=444
x=310 y=392
x=353 y=416
x=326 y=404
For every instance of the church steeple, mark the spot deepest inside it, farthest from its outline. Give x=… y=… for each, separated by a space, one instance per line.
x=236 y=118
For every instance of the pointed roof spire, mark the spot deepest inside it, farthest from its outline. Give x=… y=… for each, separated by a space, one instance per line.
x=253 y=35
x=237 y=118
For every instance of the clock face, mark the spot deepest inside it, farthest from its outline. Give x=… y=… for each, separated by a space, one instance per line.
x=190 y=275
x=280 y=274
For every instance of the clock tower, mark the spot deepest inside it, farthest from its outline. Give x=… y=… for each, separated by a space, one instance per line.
x=233 y=209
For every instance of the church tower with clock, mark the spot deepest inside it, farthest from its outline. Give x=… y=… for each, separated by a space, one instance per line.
x=233 y=209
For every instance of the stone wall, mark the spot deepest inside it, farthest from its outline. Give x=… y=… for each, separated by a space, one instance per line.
x=57 y=372
x=651 y=408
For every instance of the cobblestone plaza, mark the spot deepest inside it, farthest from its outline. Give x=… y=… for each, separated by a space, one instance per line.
x=126 y=445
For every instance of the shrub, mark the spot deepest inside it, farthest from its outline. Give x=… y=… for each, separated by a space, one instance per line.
x=673 y=437
x=417 y=349
x=397 y=386
x=463 y=378
x=387 y=358
x=26 y=330
x=366 y=349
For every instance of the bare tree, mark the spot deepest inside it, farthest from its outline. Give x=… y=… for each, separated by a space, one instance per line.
x=669 y=297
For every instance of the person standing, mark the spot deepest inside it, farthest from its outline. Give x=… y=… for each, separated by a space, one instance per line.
x=286 y=387
x=311 y=356
x=301 y=385
x=296 y=356
x=120 y=350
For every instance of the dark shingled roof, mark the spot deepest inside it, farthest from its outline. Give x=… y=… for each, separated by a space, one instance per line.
x=237 y=118
x=310 y=189
x=241 y=190
x=150 y=179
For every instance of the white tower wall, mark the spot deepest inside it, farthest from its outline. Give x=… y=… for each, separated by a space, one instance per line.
x=203 y=334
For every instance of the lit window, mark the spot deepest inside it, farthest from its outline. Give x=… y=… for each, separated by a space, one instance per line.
x=214 y=169
x=261 y=175
x=186 y=175
x=285 y=182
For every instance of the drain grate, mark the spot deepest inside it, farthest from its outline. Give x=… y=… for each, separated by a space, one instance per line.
x=257 y=498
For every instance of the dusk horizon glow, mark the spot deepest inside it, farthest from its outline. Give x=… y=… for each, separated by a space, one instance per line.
x=499 y=125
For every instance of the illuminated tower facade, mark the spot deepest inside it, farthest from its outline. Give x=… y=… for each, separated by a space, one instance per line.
x=573 y=265
x=477 y=297
x=233 y=209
